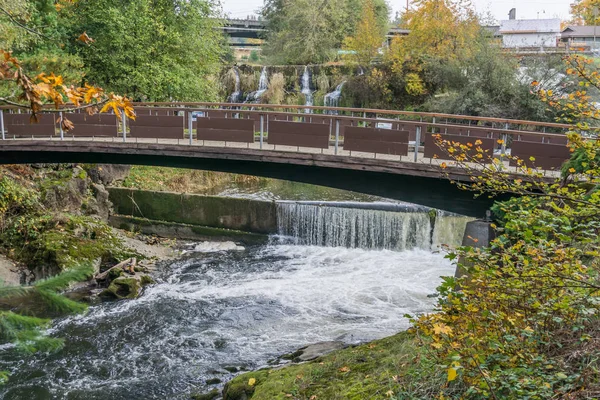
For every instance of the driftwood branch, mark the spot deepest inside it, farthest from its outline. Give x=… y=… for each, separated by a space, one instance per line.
x=127 y=265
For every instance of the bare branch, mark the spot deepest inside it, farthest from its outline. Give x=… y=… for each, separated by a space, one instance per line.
x=20 y=25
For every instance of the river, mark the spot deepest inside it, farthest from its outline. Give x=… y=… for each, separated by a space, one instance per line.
x=211 y=311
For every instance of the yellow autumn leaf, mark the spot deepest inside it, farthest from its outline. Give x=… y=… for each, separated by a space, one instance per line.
x=451 y=374
x=251 y=382
x=441 y=329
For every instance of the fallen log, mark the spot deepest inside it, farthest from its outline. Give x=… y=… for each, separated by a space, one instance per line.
x=122 y=265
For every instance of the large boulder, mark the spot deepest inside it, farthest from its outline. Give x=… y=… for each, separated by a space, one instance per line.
x=123 y=288
x=106 y=174
x=67 y=195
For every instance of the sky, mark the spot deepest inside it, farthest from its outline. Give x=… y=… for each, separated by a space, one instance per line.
x=526 y=9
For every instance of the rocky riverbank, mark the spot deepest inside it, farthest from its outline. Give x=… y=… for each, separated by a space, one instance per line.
x=396 y=367
x=54 y=218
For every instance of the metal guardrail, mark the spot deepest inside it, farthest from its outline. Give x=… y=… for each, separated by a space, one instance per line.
x=387 y=132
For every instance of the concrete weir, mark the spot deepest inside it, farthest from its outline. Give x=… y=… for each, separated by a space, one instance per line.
x=193 y=217
x=374 y=225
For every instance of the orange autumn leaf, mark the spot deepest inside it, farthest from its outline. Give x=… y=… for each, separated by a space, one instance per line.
x=84 y=38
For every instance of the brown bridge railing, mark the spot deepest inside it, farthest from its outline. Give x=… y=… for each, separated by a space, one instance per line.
x=340 y=131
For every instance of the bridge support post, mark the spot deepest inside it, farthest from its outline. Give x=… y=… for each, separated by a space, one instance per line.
x=124 y=126
x=2 y=125
x=417 y=143
x=190 y=127
x=504 y=139
x=262 y=130
x=60 y=127
x=337 y=135
x=478 y=233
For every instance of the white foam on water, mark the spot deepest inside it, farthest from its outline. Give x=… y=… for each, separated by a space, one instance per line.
x=257 y=303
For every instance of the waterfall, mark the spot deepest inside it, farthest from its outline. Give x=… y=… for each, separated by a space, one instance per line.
x=448 y=230
x=308 y=95
x=236 y=96
x=368 y=225
x=263 y=85
x=333 y=99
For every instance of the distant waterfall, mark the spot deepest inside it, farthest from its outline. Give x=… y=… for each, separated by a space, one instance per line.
x=333 y=99
x=263 y=85
x=306 y=91
x=236 y=96
x=383 y=226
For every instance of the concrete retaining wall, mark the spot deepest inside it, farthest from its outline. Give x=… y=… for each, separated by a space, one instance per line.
x=216 y=212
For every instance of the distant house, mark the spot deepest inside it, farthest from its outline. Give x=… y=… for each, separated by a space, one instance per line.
x=530 y=33
x=580 y=36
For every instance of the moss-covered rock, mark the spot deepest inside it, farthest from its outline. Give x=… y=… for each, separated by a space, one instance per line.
x=206 y=396
x=394 y=367
x=243 y=387
x=146 y=280
x=123 y=288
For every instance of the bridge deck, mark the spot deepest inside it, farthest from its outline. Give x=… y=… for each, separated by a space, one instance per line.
x=387 y=157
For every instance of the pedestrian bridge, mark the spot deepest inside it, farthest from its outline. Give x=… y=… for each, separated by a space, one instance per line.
x=386 y=153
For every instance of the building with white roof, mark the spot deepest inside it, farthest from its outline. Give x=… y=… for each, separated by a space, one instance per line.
x=532 y=33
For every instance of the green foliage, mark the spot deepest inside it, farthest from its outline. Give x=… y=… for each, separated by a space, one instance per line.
x=26 y=331
x=150 y=50
x=15 y=198
x=487 y=82
x=395 y=367
x=165 y=50
x=310 y=31
x=11 y=35
x=254 y=56
x=524 y=322
x=364 y=44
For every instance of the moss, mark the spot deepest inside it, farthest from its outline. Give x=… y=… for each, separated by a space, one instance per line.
x=206 y=396
x=213 y=381
x=194 y=232
x=146 y=280
x=211 y=211
x=370 y=371
x=244 y=386
x=123 y=288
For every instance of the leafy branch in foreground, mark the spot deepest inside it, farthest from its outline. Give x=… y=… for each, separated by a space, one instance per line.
x=524 y=323
x=45 y=89
x=26 y=331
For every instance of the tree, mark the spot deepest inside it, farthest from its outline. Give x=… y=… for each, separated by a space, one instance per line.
x=156 y=50
x=11 y=34
x=523 y=323
x=310 y=31
x=440 y=29
x=586 y=12
x=364 y=45
x=355 y=12
x=488 y=82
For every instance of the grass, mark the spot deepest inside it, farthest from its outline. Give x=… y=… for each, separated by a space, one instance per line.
x=181 y=180
x=396 y=367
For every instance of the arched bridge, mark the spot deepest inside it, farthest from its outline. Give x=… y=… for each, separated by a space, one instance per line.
x=385 y=153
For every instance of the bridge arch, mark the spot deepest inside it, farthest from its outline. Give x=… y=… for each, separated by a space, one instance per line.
x=414 y=183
